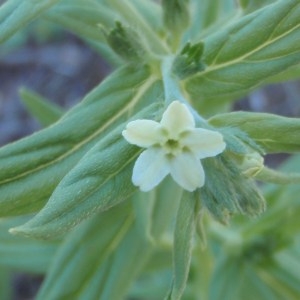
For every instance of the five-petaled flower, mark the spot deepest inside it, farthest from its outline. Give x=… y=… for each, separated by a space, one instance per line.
x=174 y=146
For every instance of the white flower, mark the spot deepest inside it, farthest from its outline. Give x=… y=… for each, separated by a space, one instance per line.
x=174 y=146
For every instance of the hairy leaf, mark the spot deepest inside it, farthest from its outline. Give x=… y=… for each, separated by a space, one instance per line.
x=42 y=109
x=87 y=19
x=246 y=52
x=86 y=249
x=274 y=133
x=83 y=17
x=31 y=168
x=183 y=239
x=252 y=5
x=100 y=180
x=167 y=197
x=100 y=248
x=290 y=74
x=15 y=14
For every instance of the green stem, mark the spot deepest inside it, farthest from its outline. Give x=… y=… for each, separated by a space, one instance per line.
x=172 y=87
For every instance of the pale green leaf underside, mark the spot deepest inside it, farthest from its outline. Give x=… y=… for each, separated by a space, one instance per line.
x=15 y=14
x=46 y=156
x=241 y=56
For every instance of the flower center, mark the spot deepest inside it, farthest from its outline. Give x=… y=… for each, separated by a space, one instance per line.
x=172 y=146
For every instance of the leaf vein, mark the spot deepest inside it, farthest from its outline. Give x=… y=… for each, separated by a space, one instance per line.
x=143 y=88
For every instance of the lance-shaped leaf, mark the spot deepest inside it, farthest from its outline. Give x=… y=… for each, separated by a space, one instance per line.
x=252 y=5
x=87 y=248
x=42 y=109
x=226 y=278
x=82 y=17
x=183 y=239
x=116 y=276
x=167 y=197
x=273 y=133
x=246 y=52
x=100 y=180
x=101 y=247
x=292 y=73
x=15 y=14
x=31 y=168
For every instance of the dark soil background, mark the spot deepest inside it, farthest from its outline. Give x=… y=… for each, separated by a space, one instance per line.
x=63 y=70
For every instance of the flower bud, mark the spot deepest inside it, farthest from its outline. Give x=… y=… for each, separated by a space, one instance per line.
x=189 y=61
x=252 y=164
x=126 y=42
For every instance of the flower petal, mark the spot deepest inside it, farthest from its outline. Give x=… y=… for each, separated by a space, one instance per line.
x=204 y=143
x=150 y=169
x=143 y=133
x=177 y=118
x=187 y=171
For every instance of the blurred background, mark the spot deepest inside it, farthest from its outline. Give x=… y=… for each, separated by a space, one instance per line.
x=57 y=65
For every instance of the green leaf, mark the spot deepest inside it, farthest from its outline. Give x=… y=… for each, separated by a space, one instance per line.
x=151 y=12
x=135 y=19
x=226 y=279
x=273 y=176
x=286 y=271
x=6 y=289
x=244 y=54
x=291 y=73
x=100 y=180
x=16 y=14
x=208 y=16
x=126 y=264
x=23 y=254
x=252 y=5
x=42 y=109
x=31 y=168
x=87 y=249
x=143 y=205
x=167 y=197
x=100 y=248
x=183 y=238
x=82 y=17
x=151 y=286
x=85 y=19
x=273 y=133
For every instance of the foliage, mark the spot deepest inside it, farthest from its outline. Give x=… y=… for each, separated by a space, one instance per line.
x=66 y=192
